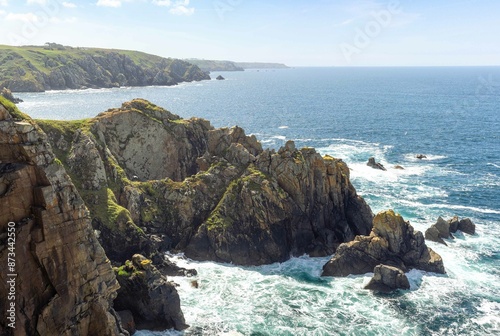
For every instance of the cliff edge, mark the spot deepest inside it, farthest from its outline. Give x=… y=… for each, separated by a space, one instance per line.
x=56 y=67
x=156 y=182
x=64 y=283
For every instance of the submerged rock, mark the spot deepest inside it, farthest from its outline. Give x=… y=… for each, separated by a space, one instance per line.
x=387 y=279
x=376 y=165
x=392 y=242
x=421 y=156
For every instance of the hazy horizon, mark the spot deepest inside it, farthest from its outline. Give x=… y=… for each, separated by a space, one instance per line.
x=324 y=33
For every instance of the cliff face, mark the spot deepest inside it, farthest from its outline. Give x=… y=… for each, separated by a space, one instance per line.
x=65 y=283
x=31 y=69
x=169 y=183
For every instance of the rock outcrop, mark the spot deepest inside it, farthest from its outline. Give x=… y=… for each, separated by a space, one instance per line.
x=65 y=283
x=220 y=77
x=375 y=165
x=444 y=229
x=392 y=242
x=7 y=94
x=174 y=184
x=387 y=279
x=146 y=293
x=32 y=69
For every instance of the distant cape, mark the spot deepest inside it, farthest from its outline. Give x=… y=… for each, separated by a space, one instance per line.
x=212 y=65
x=57 y=67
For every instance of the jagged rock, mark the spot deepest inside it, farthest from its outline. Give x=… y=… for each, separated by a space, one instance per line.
x=213 y=193
x=65 y=283
x=7 y=94
x=376 y=165
x=454 y=224
x=421 y=156
x=466 y=226
x=127 y=321
x=433 y=234
x=392 y=242
x=220 y=77
x=153 y=301
x=444 y=229
x=387 y=279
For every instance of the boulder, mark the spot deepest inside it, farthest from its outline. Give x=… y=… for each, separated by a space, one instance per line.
x=399 y=167
x=444 y=229
x=375 y=165
x=466 y=226
x=392 y=242
x=153 y=301
x=433 y=234
x=421 y=156
x=387 y=279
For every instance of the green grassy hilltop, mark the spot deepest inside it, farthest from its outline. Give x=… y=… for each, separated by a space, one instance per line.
x=56 y=67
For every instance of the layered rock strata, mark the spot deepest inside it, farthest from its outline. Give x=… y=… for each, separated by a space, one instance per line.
x=64 y=283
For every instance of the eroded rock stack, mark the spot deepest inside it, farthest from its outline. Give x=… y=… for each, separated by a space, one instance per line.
x=392 y=242
x=65 y=283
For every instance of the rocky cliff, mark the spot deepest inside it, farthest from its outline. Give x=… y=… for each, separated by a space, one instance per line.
x=64 y=284
x=154 y=181
x=32 y=69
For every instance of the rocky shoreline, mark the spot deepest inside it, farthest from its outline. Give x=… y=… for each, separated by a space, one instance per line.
x=38 y=69
x=113 y=193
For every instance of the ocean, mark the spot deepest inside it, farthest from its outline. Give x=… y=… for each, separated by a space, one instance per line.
x=449 y=114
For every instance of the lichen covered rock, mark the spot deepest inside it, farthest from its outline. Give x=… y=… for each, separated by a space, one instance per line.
x=213 y=193
x=153 y=301
x=392 y=242
x=65 y=283
x=387 y=279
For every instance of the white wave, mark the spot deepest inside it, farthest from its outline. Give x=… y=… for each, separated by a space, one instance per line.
x=464 y=207
x=283 y=127
x=279 y=137
x=493 y=164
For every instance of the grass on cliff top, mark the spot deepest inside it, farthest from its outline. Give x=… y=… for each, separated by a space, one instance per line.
x=17 y=59
x=13 y=110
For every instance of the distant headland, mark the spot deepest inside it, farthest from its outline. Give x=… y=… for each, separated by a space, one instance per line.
x=57 y=67
x=211 y=65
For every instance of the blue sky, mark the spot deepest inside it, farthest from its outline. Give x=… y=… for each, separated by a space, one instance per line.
x=298 y=33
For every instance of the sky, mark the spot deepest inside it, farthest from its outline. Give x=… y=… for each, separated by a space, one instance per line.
x=297 y=33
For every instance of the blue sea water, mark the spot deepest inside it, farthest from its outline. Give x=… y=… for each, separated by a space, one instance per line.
x=450 y=114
